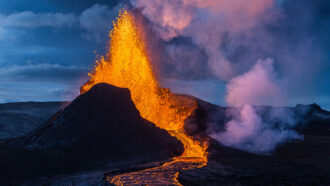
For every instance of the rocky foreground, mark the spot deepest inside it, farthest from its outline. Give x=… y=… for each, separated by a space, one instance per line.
x=101 y=139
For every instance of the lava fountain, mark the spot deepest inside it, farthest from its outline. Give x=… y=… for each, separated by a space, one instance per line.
x=127 y=65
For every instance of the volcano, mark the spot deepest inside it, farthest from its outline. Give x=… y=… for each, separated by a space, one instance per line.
x=126 y=129
x=98 y=127
x=100 y=137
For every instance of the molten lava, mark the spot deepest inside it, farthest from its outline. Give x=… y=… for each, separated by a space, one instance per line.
x=127 y=65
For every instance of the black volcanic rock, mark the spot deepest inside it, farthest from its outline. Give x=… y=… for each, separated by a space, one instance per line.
x=101 y=126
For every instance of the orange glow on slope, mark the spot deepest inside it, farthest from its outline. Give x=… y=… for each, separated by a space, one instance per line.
x=127 y=65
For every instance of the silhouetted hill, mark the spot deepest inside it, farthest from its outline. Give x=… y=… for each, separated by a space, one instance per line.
x=98 y=128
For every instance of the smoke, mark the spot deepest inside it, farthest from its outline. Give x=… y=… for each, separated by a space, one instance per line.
x=231 y=37
x=257 y=86
x=233 y=34
x=258 y=131
x=94 y=21
x=190 y=57
x=251 y=133
x=207 y=23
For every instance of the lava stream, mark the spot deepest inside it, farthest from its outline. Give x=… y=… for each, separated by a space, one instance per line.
x=167 y=174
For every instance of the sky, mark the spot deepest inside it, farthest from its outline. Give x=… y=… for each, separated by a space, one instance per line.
x=47 y=47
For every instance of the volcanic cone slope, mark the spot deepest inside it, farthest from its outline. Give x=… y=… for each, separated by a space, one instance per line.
x=102 y=125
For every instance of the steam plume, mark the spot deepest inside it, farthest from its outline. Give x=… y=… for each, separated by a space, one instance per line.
x=219 y=28
x=248 y=130
x=257 y=86
x=206 y=23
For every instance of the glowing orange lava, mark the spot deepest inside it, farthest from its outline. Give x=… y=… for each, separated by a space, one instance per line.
x=127 y=65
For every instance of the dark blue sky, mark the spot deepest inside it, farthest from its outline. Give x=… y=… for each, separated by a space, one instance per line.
x=48 y=46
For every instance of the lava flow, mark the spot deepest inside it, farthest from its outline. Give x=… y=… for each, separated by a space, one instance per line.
x=127 y=65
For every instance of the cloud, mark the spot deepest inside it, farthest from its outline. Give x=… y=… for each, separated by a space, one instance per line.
x=41 y=72
x=96 y=21
x=29 y=19
x=3 y=33
x=40 y=82
x=20 y=91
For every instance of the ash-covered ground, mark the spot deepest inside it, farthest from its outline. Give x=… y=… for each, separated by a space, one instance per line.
x=102 y=133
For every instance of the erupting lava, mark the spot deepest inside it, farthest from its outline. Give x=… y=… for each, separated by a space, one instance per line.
x=127 y=65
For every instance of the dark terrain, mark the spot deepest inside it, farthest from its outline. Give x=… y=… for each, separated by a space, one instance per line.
x=101 y=133
x=300 y=162
x=100 y=129
x=17 y=119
